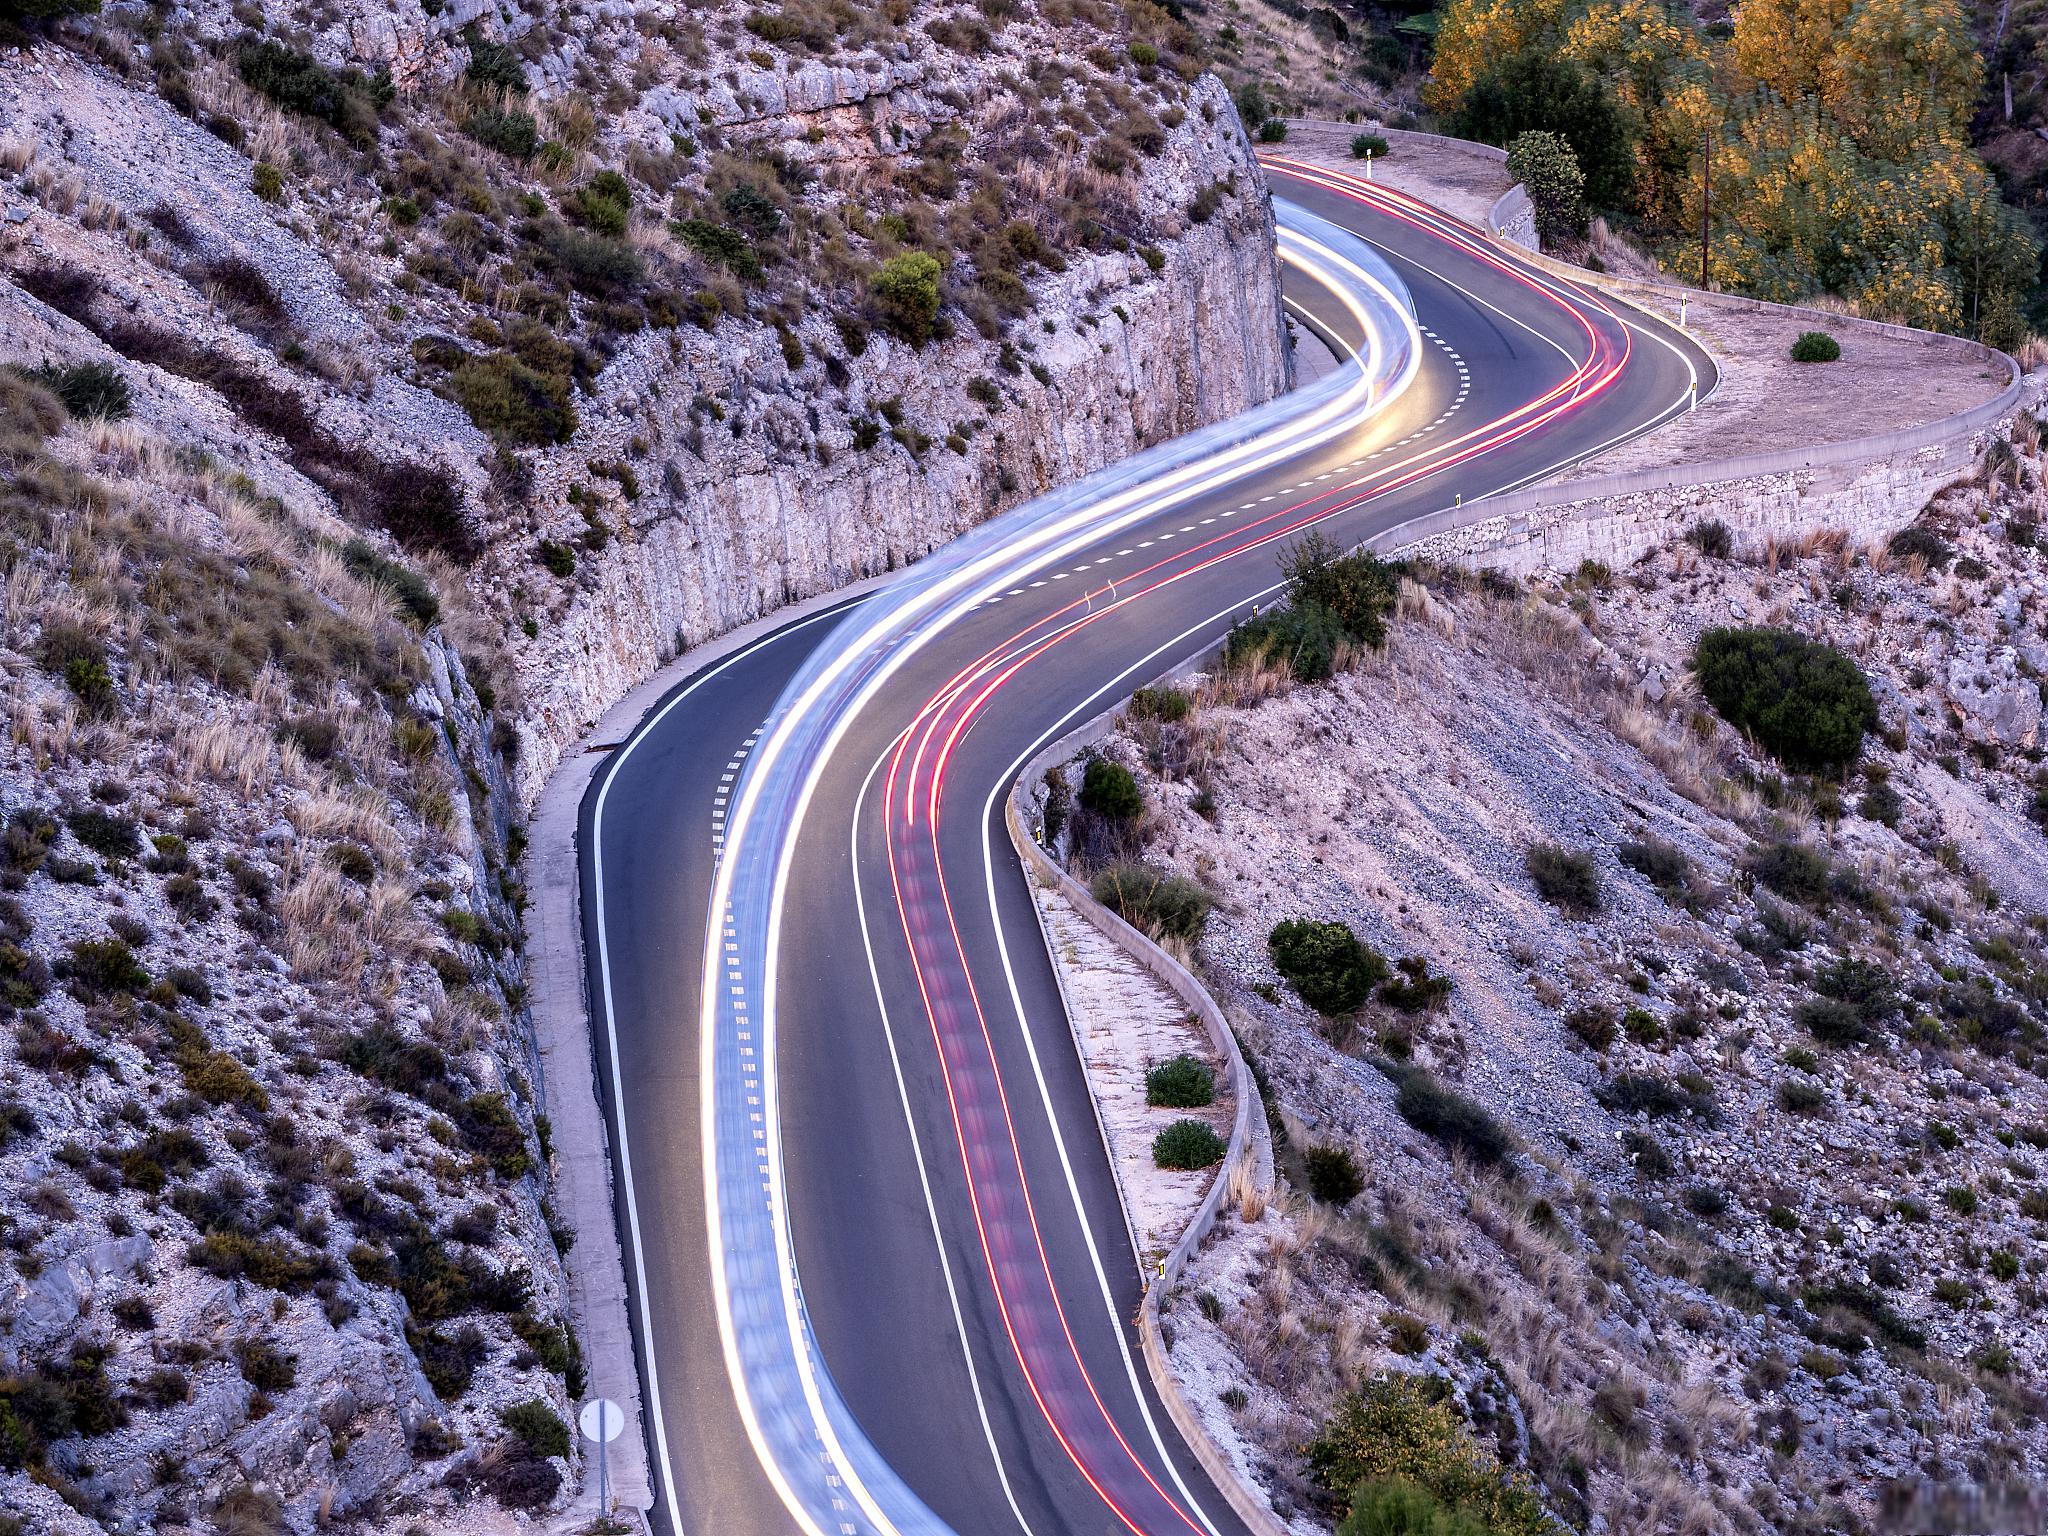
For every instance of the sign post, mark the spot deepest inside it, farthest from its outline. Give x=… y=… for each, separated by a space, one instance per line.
x=601 y=1420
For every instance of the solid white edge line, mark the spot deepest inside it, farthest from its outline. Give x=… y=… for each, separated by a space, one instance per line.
x=652 y=1405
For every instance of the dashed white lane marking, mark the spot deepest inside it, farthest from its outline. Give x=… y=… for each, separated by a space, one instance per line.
x=722 y=794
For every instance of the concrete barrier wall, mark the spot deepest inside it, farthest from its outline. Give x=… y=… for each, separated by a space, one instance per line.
x=1250 y=1147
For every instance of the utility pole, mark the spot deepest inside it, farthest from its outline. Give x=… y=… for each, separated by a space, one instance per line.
x=1706 y=196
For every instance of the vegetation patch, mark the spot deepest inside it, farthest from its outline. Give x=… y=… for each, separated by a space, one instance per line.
x=1806 y=703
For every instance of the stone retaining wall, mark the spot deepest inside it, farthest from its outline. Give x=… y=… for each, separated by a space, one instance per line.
x=1869 y=494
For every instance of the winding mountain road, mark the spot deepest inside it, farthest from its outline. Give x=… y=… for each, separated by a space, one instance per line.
x=880 y=1279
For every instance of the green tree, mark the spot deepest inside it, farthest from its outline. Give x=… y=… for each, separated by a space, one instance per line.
x=905 y=289
x=1538 y=89
x=1546 y=167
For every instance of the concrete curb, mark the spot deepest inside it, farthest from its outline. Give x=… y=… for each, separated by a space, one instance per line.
x=598 y=1301
x=1250 y=1145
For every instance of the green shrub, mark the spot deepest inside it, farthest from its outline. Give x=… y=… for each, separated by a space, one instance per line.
x=1326 y=964
x=1166 y=704
x=1358 y=590
x=266 y=1367
x=1882 y=804
x=1712 y=538
x=1333 y=1174
x=1640 y=1093
x=1664 y=866
x=1450 y=1117
x=1794 y=871
x=1799 y=1097
x=507 y=130
x=1144 y=55
x=413 y=591
x=507 y=399
x=109 y=835
x=557 y=558
x=1806 y=703
x=1595 y=1026
x=267 y=182
x=594 y=264
x=1404 y=1432
x=1306 y=640
x=268 y=1262
x=343 y=99
x=1565 y=878
x=1180 y=1083
x=1861 y=984
x=603 y=203
x=102 y=968
x=1152 y=900
x=1273 y=131
x=721 y=244
x=1919 y=542
x=1414 y=989
x=905 y=291
x=26 y=12
x=534 y=1422
x=1816 y=347
x=494 y=65
x=1832 y=1022
x=488 y=1124
x=1368 y=146
x=89 y=391
x=1108 y=790
x=448 y=1361
x=1705 y=1200
x=1187 y=1144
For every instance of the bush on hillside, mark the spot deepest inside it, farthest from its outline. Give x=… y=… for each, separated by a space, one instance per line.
x=1565 y=877
x=1923 y=543
x=1368 y=146
x=1333 y=1174
x=89 y=391
x=508 y=131
x=507 y=399
x=905 y=292
x=1448 y=1116
x=1154 y=901
x=1307 y=641
x=1712 y=538
x=1326 y=964
x=1357 y=589
x=346 y=100
x=1806 y=703
x=1108 y=790
x=1404 y=1431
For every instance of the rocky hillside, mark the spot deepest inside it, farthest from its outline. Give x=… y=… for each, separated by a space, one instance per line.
x=1670 y=1122
x=646 y=324
x=386 y=389
x=277 y=1221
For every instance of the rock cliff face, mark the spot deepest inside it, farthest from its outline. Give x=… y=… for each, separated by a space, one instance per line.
x=733 y=524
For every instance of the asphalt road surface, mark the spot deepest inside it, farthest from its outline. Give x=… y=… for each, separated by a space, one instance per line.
x=967 y=1288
